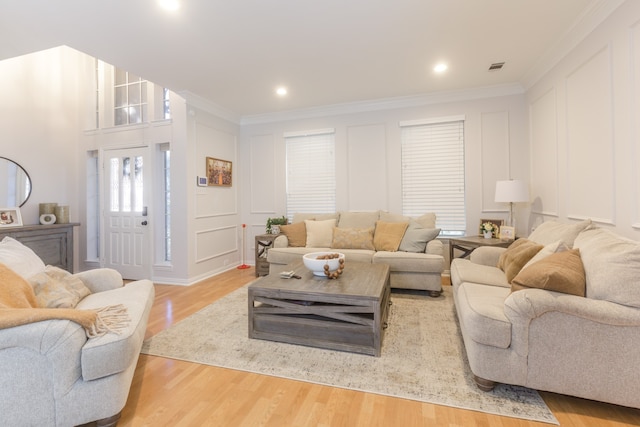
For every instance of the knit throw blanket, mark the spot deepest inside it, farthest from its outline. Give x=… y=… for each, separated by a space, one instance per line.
x=18 y=306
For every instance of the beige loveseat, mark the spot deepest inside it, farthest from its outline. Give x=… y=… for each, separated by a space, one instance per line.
x=536 y=330
x=408 y=245
x=52 y=373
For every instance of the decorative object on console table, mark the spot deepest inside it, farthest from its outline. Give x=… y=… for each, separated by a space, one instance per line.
x=10 y=217
x=490 y=228
x=47 y=219
x=62 y=214
x=468 y=244
x=273 y=224
x=263 y=242
x=511 y=191
x=47 y=208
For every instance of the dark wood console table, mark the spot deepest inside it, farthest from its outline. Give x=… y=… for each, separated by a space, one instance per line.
x=52 y=243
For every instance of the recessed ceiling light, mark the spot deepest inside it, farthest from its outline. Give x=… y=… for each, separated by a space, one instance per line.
x=281 y=91
x=170 y=5
x=440 y=68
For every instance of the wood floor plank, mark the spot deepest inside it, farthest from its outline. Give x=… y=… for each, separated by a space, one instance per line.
x=167 y=392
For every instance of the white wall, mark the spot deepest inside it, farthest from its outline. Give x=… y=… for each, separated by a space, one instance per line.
x=368 y=158
x=585 y=128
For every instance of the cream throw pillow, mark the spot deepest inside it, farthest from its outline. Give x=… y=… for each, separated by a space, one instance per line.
x=388 y=235
x=516 y=256
x=549 y=249
x=20 y=258
x=352 y=238
x=560 y=272
x=319 y=233
x=296 y=234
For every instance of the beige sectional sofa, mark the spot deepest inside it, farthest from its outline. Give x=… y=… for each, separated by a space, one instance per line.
x=52 y=373
x=565 y=321
x=408 y=245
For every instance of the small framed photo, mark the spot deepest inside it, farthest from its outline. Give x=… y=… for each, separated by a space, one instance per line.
x=10 y=217
x=507 y=232
x=219 y=172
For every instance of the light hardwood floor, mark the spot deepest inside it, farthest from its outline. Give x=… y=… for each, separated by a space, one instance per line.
x=168 y=392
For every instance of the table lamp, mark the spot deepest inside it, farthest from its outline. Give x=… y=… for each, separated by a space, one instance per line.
x=511 y=191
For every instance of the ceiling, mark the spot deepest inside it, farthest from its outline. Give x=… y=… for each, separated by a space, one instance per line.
x=234 y=54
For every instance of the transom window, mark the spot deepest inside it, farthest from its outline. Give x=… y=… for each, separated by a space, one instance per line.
x=130 y=98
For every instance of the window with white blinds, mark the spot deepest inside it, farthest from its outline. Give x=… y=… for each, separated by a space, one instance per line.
x=433 y=171
x=311 y=172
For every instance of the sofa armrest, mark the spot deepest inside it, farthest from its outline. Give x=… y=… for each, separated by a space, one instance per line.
x=100 y=279
x=486 y=255
x=281 y=241
x=529 y=305
x=434 y=247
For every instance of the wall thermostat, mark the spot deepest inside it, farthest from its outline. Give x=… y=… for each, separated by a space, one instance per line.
x=202 y=181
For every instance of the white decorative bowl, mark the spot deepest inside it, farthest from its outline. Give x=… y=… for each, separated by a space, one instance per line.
x=316 y=265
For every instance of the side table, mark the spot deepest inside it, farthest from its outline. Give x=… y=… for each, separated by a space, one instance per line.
x=468 y=244
x=263 y=243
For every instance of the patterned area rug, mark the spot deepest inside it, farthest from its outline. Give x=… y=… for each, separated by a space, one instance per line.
x=423 y=356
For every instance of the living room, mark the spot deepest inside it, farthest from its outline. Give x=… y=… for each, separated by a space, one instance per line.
x=569 y=129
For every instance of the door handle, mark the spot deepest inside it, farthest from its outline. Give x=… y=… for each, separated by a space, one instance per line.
x=144 y=223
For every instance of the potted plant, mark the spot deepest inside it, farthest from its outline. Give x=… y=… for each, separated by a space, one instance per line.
x=273 y=224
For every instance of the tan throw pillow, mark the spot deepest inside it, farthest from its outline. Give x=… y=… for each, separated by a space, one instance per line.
x=352 y=238
x=560 y=272
x=57 y=288
x=388 y=235
x=296 y=234
x=516 y=256
x=319 y=233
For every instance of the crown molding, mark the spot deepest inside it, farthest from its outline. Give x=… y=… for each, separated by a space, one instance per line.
x=385 y=104
x=587 y=22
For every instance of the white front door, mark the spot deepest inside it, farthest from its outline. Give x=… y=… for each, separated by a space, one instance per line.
x=126 y=243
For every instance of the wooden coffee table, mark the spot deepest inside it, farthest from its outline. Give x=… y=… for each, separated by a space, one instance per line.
x=347 y=314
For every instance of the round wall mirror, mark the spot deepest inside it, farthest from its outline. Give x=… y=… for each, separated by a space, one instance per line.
x=16 y=184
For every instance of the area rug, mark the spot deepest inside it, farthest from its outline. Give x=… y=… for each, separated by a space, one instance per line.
x=423 y=356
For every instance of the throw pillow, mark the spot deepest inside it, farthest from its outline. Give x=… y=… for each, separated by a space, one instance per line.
x=57 y=288
x=352 y=238
x=388 y=235
x=560 y=272
x=20 y=258
x=415 y=238
x=296 y=234
x=549 y=249
x=516 y=256
x=319 y=233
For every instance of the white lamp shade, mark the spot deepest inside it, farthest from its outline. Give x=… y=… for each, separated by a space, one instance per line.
x=511 y=191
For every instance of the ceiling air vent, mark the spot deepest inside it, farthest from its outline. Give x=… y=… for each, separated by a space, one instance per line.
x=496 y=66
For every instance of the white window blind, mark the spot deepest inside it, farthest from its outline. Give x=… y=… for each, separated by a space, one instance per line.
x=311 y=172
x=433 y=172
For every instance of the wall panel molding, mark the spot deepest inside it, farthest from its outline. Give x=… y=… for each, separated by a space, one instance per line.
x=215 y=242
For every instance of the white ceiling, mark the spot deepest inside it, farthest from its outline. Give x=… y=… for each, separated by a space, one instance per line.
x=235 y=53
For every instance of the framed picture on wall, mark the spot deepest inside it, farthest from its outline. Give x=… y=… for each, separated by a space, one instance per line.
x=219 y=172
x=10 y=217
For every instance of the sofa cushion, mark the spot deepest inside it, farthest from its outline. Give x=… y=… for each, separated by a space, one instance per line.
x=481 y=309
x=551 y=248
x=358 y=219
x=112 y=353
x=410 y=262
x=388 y=235
x=416 y=237
x=516 y=256
x=302 y=216
x=289 y=255
x=57 y=288
x=560 y=272
x=612 y=266
x=393 y=217
x=427 y=220
x=20 y=258
x=296 y=234
x=319 y=233
x=552 y=231
x=352 y=238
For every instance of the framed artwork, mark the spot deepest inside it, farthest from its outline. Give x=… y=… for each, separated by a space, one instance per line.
x=507 y=232
x=219 y=172
x=10 y=217
x=495 y=225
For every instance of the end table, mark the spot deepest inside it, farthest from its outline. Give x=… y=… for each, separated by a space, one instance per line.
x=468 y=244
x=263 y=243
